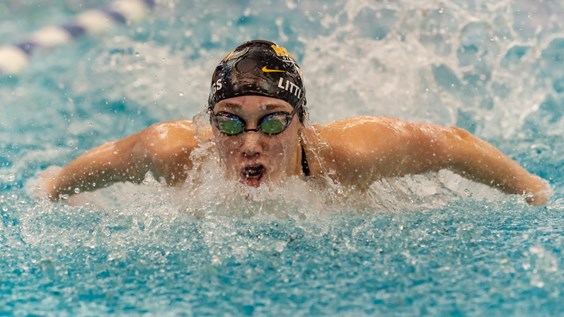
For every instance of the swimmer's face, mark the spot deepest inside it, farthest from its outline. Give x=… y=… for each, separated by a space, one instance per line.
x=253 y=157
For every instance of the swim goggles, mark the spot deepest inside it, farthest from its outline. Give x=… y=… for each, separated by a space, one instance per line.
x=270 y=124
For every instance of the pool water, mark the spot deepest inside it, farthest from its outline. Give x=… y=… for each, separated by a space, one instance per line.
x=423 y=245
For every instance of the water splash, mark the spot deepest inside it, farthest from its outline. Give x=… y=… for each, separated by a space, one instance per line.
x=410 y=246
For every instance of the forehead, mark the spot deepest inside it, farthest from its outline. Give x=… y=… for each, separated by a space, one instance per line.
x=253 y=103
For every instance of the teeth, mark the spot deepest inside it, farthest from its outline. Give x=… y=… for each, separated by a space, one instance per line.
x=254 y=171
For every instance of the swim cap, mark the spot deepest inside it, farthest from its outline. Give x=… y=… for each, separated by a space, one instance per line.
x=258 y=68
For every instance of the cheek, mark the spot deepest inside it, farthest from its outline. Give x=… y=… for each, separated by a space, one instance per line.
x=227 y=146
x=283 y=148
x=276 y=151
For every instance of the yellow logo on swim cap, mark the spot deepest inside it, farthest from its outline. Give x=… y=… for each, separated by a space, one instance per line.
x=228 y=55
x=280 y=51
x=267 y=70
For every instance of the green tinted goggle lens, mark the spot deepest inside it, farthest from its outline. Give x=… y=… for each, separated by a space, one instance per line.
x=231 y=126
x=271 y=124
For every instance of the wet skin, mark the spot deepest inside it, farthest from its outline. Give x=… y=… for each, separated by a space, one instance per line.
x=353 y=152
x=253 y=157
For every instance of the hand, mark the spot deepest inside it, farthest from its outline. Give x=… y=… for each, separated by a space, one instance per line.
x=43 y=186
x=539 y=193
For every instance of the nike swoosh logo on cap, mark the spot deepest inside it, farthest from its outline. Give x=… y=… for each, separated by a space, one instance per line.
x=266 y=70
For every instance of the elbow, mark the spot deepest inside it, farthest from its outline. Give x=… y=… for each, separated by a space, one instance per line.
x=459 y=134
x=438 y=147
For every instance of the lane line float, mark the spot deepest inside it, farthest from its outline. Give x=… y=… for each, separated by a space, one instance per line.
x=15 y=57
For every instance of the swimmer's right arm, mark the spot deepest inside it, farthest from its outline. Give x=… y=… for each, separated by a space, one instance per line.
x=162 y=149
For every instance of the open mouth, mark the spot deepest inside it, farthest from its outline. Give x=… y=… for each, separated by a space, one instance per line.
x=252 y=175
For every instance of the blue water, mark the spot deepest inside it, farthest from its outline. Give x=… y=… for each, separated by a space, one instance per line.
x=425 y=245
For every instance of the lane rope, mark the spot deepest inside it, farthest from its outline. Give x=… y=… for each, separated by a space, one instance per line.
x=14 y=58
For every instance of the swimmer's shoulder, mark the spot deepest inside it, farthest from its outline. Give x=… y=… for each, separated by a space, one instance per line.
x=354 y=137
x=174 y=136
x=340 y=133
x=352 y=151
x=340 y=141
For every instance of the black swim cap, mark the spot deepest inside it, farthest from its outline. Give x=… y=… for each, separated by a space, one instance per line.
x=258 y=68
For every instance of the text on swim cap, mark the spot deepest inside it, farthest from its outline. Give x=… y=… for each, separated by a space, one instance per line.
x=283 y=83
x=216 y=86
x=289 y=86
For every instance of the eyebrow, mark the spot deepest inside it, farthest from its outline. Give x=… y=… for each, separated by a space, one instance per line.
x=266 y=106
x=232 y=105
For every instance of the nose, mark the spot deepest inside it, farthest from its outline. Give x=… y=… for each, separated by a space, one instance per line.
x=251 y=146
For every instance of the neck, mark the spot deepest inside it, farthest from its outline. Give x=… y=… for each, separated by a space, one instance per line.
x=302 y=164
x=298 y=157
x=316 y=150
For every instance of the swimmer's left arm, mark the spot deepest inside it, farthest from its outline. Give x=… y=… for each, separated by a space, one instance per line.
x=371 y=148
x=475 y=159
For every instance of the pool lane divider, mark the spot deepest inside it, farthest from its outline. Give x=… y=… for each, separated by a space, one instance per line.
x=14 y=58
